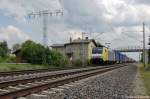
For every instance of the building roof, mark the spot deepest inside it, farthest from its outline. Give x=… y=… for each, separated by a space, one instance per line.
x=16 y=51
x=58 y=45
x=77 y=41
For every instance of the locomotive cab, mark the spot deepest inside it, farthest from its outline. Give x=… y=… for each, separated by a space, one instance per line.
x=99 y=55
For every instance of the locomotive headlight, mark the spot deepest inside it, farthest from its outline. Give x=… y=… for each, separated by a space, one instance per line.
x=101 y=56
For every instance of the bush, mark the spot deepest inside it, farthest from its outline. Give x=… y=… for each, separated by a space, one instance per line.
x=88 y=62
x=77 y=62
x=147 y=68
x=8 y=59
x=37 y=54
x=32 y=52
x=1 y=59
x=56 y=59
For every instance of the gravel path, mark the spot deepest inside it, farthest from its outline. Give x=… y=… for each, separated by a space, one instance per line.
x=116 y=84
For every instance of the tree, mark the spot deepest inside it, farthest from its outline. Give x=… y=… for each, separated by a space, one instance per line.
x=4 y=51
x=33 y=53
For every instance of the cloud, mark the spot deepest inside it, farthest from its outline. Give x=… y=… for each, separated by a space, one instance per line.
x=142 y=1
x=90 y=16
x=12 y=35
x=85 y=15
x=19 y=9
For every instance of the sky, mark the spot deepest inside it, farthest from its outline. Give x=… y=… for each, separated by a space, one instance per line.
x=118 y=22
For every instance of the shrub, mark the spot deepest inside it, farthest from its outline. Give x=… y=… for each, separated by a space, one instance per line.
x=55 y=58
x=32 y=52
x=147 y=68
x=1 y=59
x=37 y=54
x=8 y=59
x=88 y=62
x=77 y=62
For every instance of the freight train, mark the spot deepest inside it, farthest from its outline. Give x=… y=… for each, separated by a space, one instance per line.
x=102 y=55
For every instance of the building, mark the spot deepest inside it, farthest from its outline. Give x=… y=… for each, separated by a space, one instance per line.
x=59 y=47
x=18 y=56
x=76 y=49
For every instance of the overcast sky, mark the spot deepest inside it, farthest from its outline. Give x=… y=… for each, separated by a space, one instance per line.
x=120 y=20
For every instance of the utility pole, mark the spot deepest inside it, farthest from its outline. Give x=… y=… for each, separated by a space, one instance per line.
x=82 y=49
x=144 y=44
x=149 y=51
x=44 y=14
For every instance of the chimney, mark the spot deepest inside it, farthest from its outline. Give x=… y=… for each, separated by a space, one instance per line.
x=70 y=39
x=86 y=38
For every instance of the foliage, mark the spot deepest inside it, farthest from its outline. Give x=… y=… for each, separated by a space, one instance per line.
x=7 y=59
x=34 y=53
x=145 y=75
x=4 y=51
x=56 y=58
x=77 y=62
x=147 y=68
x=88 y=62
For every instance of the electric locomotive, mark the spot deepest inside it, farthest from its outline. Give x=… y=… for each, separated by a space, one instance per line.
x=102 y=55
x=99 y=55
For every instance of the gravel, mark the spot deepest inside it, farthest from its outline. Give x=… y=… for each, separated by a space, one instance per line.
x=111 y=85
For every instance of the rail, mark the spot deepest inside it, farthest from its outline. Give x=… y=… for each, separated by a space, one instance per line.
x=60 y=79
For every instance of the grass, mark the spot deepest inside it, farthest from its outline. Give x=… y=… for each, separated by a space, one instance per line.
x=145 y=73
x=10 y=67
x=14 y=67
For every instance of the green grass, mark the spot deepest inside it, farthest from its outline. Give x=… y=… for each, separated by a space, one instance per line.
x=146 y=77
x=14 y=67
x=10 y=67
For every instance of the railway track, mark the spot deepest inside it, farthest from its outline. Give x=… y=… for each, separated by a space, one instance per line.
x=13 y=75
x=22 y=72
x=22 y=87
x=9 y=75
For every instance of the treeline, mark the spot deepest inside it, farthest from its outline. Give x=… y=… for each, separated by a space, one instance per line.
x=34 y=53
x=5 y=53
x=4 y=50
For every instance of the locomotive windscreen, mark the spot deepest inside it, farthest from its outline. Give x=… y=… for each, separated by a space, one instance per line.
x=97 y=51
